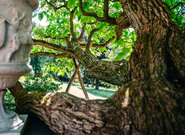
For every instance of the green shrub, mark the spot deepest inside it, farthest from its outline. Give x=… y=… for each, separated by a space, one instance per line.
x=9 y=101
x=32 y=84
x=42 y=84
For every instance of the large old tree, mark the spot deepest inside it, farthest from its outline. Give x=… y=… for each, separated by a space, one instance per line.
x=151 y=99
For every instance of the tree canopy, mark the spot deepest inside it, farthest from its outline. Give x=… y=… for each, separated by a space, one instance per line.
x=99 y=25
x=66 y=21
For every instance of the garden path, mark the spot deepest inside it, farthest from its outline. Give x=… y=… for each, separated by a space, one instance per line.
x=74 y=90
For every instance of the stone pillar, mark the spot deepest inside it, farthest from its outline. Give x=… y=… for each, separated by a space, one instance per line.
x=15 y=46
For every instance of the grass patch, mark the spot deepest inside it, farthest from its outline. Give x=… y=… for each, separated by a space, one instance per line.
x=101 y=93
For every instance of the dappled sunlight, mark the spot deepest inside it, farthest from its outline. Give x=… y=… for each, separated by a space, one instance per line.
x=47 y=98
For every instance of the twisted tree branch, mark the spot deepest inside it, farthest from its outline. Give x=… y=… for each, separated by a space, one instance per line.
x=52 y=46
x=56 y=8
x=54 y=37
x=107 y=71
x=111 y=21
x=99 y=45
x=50 y=55
x=89 y=42
x=71 y=23
x=178 y=4
x=106 y=9
x=82 y=33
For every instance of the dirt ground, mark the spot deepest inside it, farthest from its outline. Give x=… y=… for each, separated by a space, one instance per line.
x=78 y=92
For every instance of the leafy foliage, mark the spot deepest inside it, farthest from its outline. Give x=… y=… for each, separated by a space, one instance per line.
x=57 y=27
x=41 y=84
x=59 y=66
x=9 y=101
x=177 y=10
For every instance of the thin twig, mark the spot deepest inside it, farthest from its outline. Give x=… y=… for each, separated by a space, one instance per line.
x=54 y=37
x=178 y=4
x=99 y=45
x=82 y=33
x=52 y=46
x=50 y=55
x=71 y=23
x=111 y=21
x=89 y=42
x=56 y=8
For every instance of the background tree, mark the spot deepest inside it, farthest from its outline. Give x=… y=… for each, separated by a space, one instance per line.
x=35 y=63
x=151 y=101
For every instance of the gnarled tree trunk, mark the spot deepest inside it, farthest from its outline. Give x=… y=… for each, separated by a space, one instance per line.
x=153 y=100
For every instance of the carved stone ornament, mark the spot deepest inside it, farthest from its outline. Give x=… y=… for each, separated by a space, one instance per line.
x=15 y=46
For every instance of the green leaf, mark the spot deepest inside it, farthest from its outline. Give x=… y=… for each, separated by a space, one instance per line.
x=119 y=56
x=40 y=16
x=70 y=3
x=34 y=15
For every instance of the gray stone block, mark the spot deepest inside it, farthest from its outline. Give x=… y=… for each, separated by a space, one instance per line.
x=17 y=130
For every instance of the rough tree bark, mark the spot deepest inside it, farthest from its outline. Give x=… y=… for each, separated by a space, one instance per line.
x=153 y=100
x=114 y=72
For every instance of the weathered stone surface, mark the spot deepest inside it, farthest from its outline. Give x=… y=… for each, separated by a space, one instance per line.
x=15 y=39
x=15 y=46
x=19 y=129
